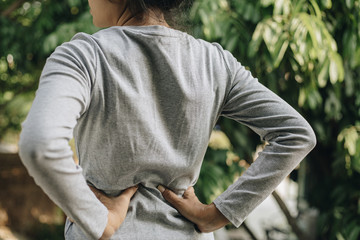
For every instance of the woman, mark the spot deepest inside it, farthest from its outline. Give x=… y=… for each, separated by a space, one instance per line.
x=141 y=100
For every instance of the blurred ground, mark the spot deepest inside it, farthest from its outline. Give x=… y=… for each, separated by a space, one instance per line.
x=7 y=234
x=24 y=208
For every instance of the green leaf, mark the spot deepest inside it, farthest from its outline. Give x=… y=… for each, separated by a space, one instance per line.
x=256 y=40
x=280 y=52
x=355 y=59
x=50 y=43
x=317 y=8
x=249 y=12
x=326 y=3
x=204 y=16
x=302 y=97
x=282 y=7
x=339 y=236
x=349 y=4
x=333 y=72
x=324 y=74
x=354 y=235
x=278 y=6
x=266 y=3
x=309 y=24
x=350 y=136
x=336 y=68
x=232 y=43
x=350 y=44
x=313 y=98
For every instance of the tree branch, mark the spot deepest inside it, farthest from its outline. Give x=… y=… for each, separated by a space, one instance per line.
x=12 y=7
x=248 y=230
x=291 y=220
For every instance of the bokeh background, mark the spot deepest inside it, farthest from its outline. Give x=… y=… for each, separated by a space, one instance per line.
x=306 y=51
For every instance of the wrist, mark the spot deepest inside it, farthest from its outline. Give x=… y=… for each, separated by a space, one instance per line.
x=108 y=232
x=109 y=229
x=213 y=219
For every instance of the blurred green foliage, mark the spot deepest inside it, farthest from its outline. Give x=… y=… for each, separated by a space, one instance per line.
x=29 y=32
x=220 y=168
x=308 y=52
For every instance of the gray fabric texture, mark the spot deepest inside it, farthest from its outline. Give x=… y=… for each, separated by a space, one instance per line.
x=141 y=103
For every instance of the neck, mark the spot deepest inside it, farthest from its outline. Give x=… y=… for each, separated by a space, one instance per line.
x=150 y=17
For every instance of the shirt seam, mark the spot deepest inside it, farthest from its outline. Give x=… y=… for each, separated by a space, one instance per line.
x=230 y=78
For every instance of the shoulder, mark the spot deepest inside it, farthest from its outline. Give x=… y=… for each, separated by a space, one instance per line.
x=81 y=43
x=222 y=55
x=78 y=56
x=80 y=49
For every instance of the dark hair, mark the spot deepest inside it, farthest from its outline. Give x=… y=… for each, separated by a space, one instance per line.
x=140 y=6
x=175 y=11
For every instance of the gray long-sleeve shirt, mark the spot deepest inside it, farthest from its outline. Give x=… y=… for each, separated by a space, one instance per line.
x=141 y=103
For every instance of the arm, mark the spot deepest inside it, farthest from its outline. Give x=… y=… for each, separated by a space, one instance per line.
x=290 y=138
x=62 y=97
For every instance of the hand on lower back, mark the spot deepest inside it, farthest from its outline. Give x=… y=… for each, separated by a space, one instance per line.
x=117 y=207
x=206 y=217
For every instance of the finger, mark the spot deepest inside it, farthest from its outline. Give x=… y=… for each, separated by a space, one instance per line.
x=129 y=192
x=171 y=197
x=189 y=192
x=96 y=191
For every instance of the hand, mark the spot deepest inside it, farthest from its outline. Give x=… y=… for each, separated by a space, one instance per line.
x=117 y=206
x=206 y=217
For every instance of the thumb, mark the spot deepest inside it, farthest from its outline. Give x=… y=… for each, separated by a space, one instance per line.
x=170 y=196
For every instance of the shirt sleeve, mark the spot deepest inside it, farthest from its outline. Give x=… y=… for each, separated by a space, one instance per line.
x=290 y=138
x=62 y=97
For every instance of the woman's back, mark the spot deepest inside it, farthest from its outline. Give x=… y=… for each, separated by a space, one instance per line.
x=151 y=97
x=143 y=101
x=154 y=99
x=155 y=96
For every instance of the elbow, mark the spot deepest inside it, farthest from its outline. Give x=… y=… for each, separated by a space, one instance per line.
x=40 y=151
x=298 y=139
x=306 y=137
x=311 y=142
x=28 y=151
x=31 y=152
